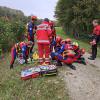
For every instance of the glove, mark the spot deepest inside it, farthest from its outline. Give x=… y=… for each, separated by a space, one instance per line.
x=56 y=54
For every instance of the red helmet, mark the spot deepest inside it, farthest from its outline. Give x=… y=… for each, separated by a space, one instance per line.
x=83 y=51
x=58 y=39
x=34 y=17
x=68 y=40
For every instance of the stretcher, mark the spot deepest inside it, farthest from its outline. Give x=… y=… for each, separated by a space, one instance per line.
x=39 y=71
x=30 y=73
x=48 y=70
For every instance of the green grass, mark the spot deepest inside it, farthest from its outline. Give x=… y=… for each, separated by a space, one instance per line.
x=81 y=43
x=44 y=88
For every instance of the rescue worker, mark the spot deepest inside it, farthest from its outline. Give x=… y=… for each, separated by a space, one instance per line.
x=53 y=36
x=31 y=28
x=22 y=47
x=52 y=26
x=95 y=39
x=65 y=54
x=25 y=48
x=43 y=40
x=58 y=43
x=14 y=53
x=60 y=48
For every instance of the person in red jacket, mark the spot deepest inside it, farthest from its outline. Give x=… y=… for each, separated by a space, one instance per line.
x=58 y=43
x=43 y=34
x=52 y=26
x=95 y=39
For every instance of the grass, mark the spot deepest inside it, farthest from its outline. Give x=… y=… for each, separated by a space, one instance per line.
x=44 y=88
x=81 y=43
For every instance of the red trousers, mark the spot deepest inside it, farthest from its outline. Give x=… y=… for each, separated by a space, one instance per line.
x=13 y=55
x=44 y=49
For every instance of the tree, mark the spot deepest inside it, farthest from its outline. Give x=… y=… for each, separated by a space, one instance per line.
x=77 y=14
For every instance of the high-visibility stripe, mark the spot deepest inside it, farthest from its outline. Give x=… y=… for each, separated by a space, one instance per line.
x=40 y=59
x=43 y=41
x=42 y=25
x=47 y=60
x=41 y=29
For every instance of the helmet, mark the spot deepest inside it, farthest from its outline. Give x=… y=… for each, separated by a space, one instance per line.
x=63 y=42
x=68 y=40
x=46 y=19
x=75 y=44
x=58 y=39
x=83 y=51
x=34 y=17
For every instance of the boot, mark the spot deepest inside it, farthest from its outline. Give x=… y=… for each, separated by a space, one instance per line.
x=59 y=63
x=91 y=58
x=72 y=66
x=25 y=61
x=11 y=66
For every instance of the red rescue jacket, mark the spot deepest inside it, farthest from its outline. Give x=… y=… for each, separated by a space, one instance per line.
x=43 y=33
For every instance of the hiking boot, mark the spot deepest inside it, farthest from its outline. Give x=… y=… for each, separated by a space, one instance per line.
x=59 y=64
x=11 y=66
x=72 y=67
x=91 y=58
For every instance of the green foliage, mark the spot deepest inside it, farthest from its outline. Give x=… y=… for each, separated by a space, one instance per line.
x=12 y=14
x=12 y=27
x=10 y=33
x=77 y=15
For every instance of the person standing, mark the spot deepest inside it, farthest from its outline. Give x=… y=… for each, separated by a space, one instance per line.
x=95 y=39
x=31 y=28
x=53 y=36
x=43 y=34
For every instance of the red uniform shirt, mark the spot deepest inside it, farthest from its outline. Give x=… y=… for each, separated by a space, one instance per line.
x=96 y=30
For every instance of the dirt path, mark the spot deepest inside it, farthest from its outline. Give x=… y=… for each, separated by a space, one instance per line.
x=84 y=82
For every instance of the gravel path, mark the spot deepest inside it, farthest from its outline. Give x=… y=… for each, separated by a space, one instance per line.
x=84 y=82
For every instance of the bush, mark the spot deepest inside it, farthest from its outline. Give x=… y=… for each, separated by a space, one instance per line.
x=10 y=33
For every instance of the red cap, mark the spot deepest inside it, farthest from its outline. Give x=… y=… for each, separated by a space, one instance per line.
x=34 y=17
